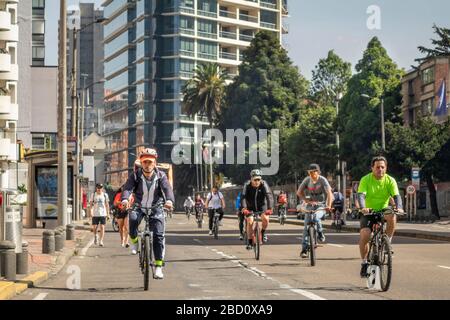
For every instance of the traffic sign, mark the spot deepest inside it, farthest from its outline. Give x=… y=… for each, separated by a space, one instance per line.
x=410 y=189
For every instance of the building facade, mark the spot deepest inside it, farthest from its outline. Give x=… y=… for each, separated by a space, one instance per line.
x=420 y=89
x=152 y=49
x=9 y=77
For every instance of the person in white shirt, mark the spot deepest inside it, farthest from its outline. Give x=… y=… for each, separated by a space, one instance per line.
x=99 y=212
x=214 y=200
x=188 y=204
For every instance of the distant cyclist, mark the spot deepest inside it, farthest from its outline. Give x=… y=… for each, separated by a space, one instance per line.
x=282 y=202
x=214 y=201
x=375 y=192
x=257 y=197
x=338 y=206
x=150 y=187
x=199 y=205
x=188 y=205
x=318 y=190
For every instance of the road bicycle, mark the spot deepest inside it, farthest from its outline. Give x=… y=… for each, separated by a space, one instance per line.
x=215 y=226
x=312 y=232
x=256 y=233
x=337 y=220
x=282 y=215
x=199 y=215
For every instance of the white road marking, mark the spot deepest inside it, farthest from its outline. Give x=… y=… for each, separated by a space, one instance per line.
x=444 y=267
x=198 y=241
x=335 y=245
x=40 y=296
x=86 y=248
x=194 y=285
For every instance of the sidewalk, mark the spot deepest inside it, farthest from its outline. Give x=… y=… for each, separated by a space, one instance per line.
x=42 y=266
x=439 y=230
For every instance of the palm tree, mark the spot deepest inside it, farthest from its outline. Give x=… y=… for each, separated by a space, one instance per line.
x=204 y=94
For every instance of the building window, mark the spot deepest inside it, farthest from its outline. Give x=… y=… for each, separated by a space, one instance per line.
x=43 y=141
x=411 y=117
x=428 y=76
x=38 y=4
x=207 y=50
x=427 y=107
x=38 y=53
x=38 y=27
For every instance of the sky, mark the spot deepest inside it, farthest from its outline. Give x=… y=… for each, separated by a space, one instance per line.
x=317 y=26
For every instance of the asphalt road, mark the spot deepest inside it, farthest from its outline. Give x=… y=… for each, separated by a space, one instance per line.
x=200 y=267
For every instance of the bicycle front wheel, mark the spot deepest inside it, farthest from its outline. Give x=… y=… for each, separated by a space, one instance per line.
x=257 y=243
x=115 y=225
x=385 y=263
x=147 y=256
x=312 y=245
x=216 y=229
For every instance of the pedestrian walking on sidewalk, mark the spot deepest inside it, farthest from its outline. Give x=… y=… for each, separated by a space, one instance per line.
x=99 y=212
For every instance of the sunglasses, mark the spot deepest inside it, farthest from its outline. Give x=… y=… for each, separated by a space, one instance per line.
x=257 y=179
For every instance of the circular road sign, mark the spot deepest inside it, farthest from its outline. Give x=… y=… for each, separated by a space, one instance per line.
x=410 y=189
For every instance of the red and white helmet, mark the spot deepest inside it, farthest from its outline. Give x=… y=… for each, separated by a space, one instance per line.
x=148 y=153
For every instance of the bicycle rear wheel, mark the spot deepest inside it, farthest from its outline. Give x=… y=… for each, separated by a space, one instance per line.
x=312 y=245
x=147 y=254
x=200 y=220
x=385 y=263
x=216 y=229
x=257 y=243
x=115 y=225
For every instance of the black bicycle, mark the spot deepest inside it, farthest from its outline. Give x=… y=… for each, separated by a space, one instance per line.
x=312 y=233
x=114 y=223
x=188 y=212
x=380 y=250
x=199 y=215
x=282 y=215
x=145 y=246
x=215 y=226
x=337 y=220
x=257 y=235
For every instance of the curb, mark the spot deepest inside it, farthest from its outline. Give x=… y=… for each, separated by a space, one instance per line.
x=401 y=233
x=9 y=289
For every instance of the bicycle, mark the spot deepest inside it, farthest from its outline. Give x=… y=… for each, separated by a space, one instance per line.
x=282 y=215
x=199 y=216
x=145 y=246
x=215 y=227
x=115 y=225
x=256 y=236
x=380 y=250
x=337 y=220
x=188 y=212
x=312 y=233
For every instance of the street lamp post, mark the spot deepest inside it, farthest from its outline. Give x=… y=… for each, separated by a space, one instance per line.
x=62 y=117
x=383 y=140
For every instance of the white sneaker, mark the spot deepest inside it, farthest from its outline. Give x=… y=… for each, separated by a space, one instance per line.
x=95 y=239
x=122 y=245
x=133 y=248
x=158 y=273
x=210 y=232
x=101 y=244
x=220 y=223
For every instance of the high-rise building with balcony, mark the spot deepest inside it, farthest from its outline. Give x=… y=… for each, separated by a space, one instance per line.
x=9 y=76
x=152 y=49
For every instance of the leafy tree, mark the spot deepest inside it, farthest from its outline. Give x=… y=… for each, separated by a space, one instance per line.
x=419 y=146
x=330 y=78
x=359 y=118
x=266 y=94
x=441 y=45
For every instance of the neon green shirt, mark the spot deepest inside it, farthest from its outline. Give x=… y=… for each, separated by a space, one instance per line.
x=378 y=192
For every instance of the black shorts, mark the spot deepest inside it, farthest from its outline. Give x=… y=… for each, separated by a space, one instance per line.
x=121 y=214
x=368 y=221
x=98 y=220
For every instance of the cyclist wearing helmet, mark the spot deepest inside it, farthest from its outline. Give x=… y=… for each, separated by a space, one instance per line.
x=257 y=197
x=150 y=187
x=318 y=193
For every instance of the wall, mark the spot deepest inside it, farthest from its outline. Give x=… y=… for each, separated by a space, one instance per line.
x=44 y=108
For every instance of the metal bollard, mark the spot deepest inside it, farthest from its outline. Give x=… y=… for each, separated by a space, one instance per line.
x=8 y=266
x=59 y=241
x=48 y=242
x=22 y=259
x=70 y=232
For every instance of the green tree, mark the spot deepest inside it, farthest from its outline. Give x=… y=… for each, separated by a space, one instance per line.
x=419 y=146
x=359 y=119
x=441 y=45
x=266 y=94
x=330 y=78
x=204 y=93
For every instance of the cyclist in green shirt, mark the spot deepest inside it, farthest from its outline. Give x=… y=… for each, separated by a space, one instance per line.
x=375 y=192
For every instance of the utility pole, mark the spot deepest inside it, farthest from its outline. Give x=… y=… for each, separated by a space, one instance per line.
x=74 y=132
x=383 y=140
x=62 y=117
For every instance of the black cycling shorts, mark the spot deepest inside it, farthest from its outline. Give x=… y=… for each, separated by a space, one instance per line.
x=121 y=214
x=368 y=221
x=98 y=220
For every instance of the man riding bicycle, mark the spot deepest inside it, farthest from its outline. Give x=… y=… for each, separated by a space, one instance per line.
x=257 y=197
x=150 y=187
x=199 y=205
x=338 y=207
x=214 y=201
x=282 y=202
x=375 y=192
x=318 y=189
x=188 y=205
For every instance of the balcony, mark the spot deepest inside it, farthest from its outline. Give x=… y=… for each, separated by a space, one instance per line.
x=228 y=56
x=5 y=104
x=187 y=53
x=187 y=74
x=5 y=62
x=5 y=21
x=227 y=14
x=268 y=25
x=12 y=114
x=207 y=56
x=209 y=14
x=207 y=35
x=190 y=32
x=248 y=18
x=228 y=35
x=245 y=37
x=187 y=10
x=268 y=4
x=12 y=75
x=12 y=35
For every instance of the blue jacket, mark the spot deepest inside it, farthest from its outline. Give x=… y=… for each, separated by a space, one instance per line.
x=160 y=188
x=238 y=202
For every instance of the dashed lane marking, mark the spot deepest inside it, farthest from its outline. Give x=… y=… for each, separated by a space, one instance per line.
x=41 y=296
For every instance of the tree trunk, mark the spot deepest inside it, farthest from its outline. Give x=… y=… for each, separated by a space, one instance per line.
x=433 y=198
